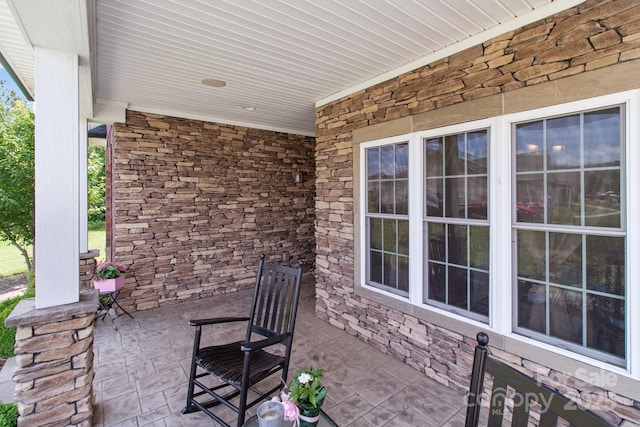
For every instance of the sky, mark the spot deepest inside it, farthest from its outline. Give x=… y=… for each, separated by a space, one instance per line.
x=9 y=83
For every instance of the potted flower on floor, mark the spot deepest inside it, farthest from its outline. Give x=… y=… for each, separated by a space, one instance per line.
x=109 y=277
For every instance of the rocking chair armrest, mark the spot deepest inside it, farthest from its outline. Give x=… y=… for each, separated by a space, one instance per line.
x=256 y=345
x=216 y=320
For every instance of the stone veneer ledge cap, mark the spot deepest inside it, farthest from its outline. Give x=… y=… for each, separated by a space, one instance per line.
x=25 y=312
x=92 y=253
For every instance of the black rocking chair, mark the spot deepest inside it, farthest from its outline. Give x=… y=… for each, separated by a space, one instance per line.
x=510 y=385
x=240 y=365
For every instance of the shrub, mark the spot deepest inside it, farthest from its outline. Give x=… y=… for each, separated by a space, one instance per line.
x=8 y=415
x=8 y=335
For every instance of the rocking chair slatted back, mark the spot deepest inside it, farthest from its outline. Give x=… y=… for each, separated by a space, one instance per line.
x=273 y=310
x=553 y=405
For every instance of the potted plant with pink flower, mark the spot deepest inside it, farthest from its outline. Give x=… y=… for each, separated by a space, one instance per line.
x=109 y=277
x=306 y=396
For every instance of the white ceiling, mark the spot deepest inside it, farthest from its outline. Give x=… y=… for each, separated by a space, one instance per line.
x=282 y=57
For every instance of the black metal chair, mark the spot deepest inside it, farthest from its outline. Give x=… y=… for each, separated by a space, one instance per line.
x=552 y=405
x=241 y=365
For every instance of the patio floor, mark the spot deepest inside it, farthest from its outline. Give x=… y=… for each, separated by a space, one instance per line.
x=142 y=370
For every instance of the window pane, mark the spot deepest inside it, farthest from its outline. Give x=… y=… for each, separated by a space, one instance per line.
x=602 y=191
x=454 y=155
x=530 y=198
x=605 y=264
x=602 y=138
x=375 y=266
x=565 y=259
x=375 y=233
x=403 y=237
x=479 y=247
x=373 y=163
x=532 y=306
x=387 y=162
x=434 y=197
x=402 y=197
x=563 y=142
x=457 y=244
x=436 y=241
x=454 y=197
x=390 y=270
x=402 y=161
x=563 y=198
x=390 y=236
x=403 y=273
x=373 y=197
x=606 y=324
x=434 y=157
x=565 y=314
x=387 y=197
x=477 y=152
x=477 y=198
x=437 y=282
x=531 y=255
x=458 y=287
x=479 y=292
x=529 y=149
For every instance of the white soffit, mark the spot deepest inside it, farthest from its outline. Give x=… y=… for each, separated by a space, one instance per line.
x=489 y=33
x=16 y=50
x=281 y=57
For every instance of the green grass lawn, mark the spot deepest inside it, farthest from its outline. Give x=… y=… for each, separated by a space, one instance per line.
x=12 y=262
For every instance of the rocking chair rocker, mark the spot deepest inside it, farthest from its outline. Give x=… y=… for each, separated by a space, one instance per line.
x=241 y=365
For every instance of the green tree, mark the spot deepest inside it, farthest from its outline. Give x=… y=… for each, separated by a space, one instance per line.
x=96 y=183
x=17 y=172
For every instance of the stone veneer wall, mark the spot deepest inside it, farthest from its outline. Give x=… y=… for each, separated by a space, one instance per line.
x=588 y=37
x=87 y=268
x=196 y=203
x=54 y=357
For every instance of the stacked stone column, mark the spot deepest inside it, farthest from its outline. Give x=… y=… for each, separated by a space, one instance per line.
x=54 y=357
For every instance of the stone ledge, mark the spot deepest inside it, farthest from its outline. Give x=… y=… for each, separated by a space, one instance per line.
x=25 y=312
x=91 y=254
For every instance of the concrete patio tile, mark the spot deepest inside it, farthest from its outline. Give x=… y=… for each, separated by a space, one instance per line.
x=458 y=420
x=142 y=368
x=161 y=382
x=349 y=410
x=132 y=422
x=117 y=380
x=153 y=415
x=117 y=389
x=153 y=401
x=190 y=420
x=411 y=417
x=120 y=409
x=176 y=397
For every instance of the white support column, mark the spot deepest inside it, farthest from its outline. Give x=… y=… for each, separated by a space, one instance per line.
x=83 y=208
x=57 y=178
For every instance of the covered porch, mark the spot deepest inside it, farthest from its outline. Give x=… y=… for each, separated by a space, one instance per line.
x=142 y=370
x=243 y=130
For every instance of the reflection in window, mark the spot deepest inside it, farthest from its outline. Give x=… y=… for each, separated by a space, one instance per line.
x=568 y=170
x=457 y=242
x=570 y=241
x=386 y=218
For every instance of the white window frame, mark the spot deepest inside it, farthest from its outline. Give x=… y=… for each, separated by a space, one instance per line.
x=501 y=142
x=631 y=156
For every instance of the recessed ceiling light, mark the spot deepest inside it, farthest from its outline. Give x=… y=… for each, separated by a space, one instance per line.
x=214 y=82
x=249 y=108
